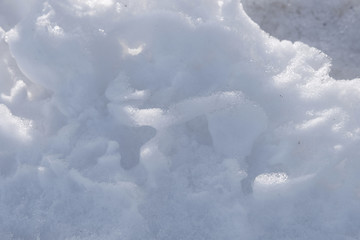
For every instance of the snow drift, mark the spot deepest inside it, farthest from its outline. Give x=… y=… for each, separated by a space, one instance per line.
x=170 y=120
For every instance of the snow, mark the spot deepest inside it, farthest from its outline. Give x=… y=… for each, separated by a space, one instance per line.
x=178 y=120
x=331 y=26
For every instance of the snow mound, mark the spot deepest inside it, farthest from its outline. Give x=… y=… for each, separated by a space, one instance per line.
x=170 y=120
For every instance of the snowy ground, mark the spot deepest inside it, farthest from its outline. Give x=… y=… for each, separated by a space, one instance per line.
x=159 y=119
x=331 y=26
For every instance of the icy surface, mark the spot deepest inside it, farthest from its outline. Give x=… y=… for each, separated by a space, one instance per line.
x=165 y=119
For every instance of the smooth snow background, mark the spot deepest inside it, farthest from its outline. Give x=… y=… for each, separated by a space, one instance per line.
x=170 y=120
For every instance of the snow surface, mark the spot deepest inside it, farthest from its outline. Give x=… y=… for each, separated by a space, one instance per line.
x=159 y=119
x=331 y=26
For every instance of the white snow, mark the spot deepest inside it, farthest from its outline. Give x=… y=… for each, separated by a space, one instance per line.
x=162 y=119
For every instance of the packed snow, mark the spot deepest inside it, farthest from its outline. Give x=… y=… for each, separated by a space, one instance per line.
x=176 y=119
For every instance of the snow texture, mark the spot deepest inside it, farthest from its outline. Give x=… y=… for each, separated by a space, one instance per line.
x=331 y=26
x=159 y=119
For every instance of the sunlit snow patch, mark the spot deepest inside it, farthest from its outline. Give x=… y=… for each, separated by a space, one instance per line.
x=90 y=7
x=269 y=185
x=132 y=51
x=19 y=90
x=271 y=178
x=46 y=21
x=13 y=127
x=135 y=51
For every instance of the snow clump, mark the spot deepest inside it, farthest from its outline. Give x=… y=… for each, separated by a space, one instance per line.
x=170 y=120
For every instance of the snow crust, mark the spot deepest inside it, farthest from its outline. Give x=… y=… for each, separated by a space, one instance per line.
x=166 y=119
